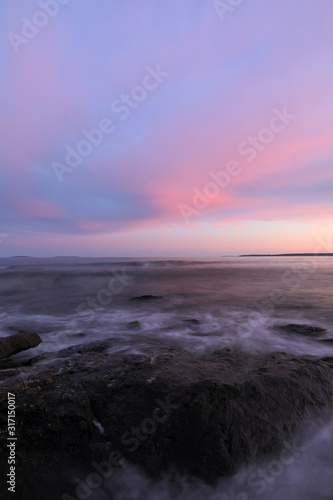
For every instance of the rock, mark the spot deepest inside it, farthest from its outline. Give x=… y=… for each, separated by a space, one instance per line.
x=191 y=322
x=6 y=373
x=206 y=415
x=134 y=325
x=17 y=343
x=326 y=341
x=308 y=330
x=146 y=298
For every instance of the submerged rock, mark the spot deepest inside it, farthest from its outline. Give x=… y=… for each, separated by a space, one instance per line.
x=17 y=343
x=191 y=322
x=308 y=330
x=206 y=415
x=145 y=298
x=134 y=325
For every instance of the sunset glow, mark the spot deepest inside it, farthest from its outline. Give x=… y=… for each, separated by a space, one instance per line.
x=159 y=129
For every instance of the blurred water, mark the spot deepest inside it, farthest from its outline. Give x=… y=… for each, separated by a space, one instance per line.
x=238 y=301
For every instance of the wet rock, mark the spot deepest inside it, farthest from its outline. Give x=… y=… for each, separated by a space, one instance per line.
x=6 y=373
x=191 y=322
x=146 y=298
x=36 y=328
x=134 y=325
x=307 y=330
x=204 y=414
x=17 y=343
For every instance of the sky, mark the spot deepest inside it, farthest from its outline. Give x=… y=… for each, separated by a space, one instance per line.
x=165 y=127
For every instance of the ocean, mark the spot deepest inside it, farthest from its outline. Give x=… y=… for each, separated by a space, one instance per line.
x=239 y=302
x=197 y=304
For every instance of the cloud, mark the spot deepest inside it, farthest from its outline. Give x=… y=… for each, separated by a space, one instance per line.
x=224 y=80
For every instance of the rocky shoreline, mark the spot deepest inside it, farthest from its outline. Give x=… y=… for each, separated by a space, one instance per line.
x=87 y=409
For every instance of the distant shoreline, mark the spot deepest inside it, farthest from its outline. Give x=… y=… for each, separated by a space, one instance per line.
x=289 y=255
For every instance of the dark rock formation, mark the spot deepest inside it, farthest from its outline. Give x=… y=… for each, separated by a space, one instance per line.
x=146 y=298
x=203 y=414
x=308 y=330
x=134 y=325
x=191 y=322
x=17 y=343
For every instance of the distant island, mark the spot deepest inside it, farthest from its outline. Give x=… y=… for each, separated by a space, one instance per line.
x=290 y=255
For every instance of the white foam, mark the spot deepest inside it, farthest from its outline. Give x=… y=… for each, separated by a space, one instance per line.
x=99 y=426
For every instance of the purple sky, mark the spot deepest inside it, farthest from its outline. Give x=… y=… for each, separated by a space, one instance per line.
x=167 y=128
